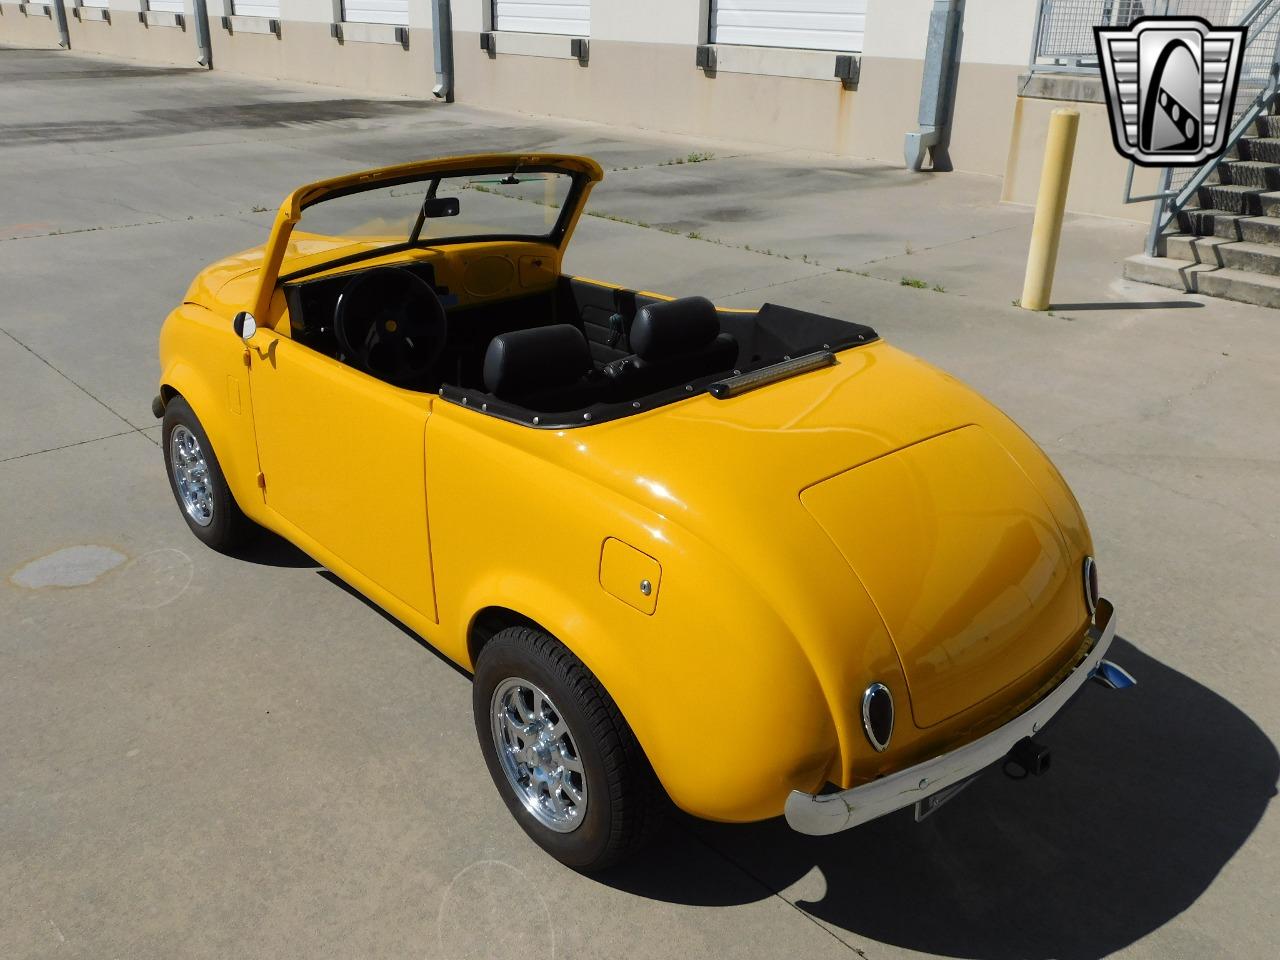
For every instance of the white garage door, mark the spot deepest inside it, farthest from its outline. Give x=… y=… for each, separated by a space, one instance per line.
x=808 y=24
x=256 y=8
x=570 y=18
x=376 y=11
x=165 y=6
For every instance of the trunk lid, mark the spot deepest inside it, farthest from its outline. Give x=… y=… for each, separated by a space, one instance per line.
x=963 y=559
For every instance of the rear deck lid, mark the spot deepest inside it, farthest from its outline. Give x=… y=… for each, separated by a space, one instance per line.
x=964 y=561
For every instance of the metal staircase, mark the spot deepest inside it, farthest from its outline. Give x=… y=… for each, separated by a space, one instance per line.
x=1216 y=228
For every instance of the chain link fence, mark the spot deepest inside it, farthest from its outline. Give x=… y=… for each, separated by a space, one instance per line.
x=1064 y=28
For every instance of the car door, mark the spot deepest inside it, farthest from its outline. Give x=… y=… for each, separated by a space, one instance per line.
x=343 y=460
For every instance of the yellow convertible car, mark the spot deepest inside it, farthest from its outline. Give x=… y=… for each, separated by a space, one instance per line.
x=751 y=562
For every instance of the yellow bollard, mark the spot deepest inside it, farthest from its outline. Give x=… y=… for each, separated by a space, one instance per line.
x=1046 y=230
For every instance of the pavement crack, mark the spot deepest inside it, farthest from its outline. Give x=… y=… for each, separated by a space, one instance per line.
x=74 y=230
x=782 y=283
x=67 y=446
x=939 y=246
x=88 y=393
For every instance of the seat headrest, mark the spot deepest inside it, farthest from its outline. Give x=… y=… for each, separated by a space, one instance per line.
x=674 y=327
x=526 y=362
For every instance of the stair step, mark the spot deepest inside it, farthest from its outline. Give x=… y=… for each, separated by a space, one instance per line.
x=1164 y=271
x=1253 y=173
x=1263 y=258
x=1270 y=204
x=1259 y=229
x=1259 y=148
x=1260 y=258
x=1238 y=285
x=1193 y=249
x=1208 y=223
x=1235 y=198
x=1221 y=282
x=1268 y=126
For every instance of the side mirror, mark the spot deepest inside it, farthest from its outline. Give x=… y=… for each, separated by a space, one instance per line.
x=244 y=325
x=439 y=207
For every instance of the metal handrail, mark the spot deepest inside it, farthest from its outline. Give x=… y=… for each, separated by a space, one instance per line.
x=1169 y=201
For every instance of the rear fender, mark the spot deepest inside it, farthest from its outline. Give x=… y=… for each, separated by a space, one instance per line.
x=729 y=732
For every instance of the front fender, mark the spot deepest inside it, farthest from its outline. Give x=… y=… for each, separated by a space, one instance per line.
x=202 y=360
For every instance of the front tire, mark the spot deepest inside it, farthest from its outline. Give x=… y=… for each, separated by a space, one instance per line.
x=197 y=481
x=560 y=753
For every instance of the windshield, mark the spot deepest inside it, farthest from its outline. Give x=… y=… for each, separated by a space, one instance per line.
x=520 y=204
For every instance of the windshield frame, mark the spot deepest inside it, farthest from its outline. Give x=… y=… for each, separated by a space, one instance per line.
x=584 y=171
x=416 y=242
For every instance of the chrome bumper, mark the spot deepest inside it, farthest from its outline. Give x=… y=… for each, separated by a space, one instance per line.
x=821 y=814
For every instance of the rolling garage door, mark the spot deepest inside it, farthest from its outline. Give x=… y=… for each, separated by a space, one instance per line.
x=256 y=8
x=376 y=11
x=807 y=24
x=570 y=18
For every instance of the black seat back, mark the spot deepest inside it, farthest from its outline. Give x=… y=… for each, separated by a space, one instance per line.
x=674 y=341
x=543 y=368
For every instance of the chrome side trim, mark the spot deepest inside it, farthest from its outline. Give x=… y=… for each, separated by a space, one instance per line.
x=790 y=367
x=823 y=814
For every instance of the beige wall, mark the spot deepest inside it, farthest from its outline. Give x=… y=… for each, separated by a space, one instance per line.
x=125 y=36
x=658 y=87
x=306 y=52
x=19 y=30
x=1097 y=171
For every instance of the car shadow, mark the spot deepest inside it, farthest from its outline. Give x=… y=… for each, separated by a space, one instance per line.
x=271 y=550
x=1152 y=791
x=404 y=628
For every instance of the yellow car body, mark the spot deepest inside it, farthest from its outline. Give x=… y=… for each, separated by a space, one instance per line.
x=735 y=572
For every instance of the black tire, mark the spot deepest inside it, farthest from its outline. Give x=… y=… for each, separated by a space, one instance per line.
x=625 y=803
x=229 y=528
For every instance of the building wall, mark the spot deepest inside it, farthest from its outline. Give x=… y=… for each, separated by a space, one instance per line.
x=26 y=30
x=1097 y=171
x=641 y=72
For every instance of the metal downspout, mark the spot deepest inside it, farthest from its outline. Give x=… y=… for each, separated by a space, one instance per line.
x=937 y=89
x=202 y=34
x=442 y=41
x=60 y=17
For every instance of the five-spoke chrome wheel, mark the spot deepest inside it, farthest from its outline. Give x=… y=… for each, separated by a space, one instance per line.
x=191 y=475
x=537 y=752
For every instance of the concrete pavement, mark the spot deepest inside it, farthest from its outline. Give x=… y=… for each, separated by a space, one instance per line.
x=205 y=756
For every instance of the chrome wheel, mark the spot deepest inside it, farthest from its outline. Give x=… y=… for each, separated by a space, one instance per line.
x=191 y=475
x=538 y=754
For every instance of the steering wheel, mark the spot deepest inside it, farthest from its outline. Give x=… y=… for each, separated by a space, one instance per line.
x=390 y=323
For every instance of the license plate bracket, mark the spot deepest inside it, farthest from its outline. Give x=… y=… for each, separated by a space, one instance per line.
x=930 y=804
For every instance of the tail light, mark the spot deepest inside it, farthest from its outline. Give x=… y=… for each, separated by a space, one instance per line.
x=1090 y=585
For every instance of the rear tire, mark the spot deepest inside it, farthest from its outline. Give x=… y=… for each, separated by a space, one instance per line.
x=547 y=729
x=197 y=481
